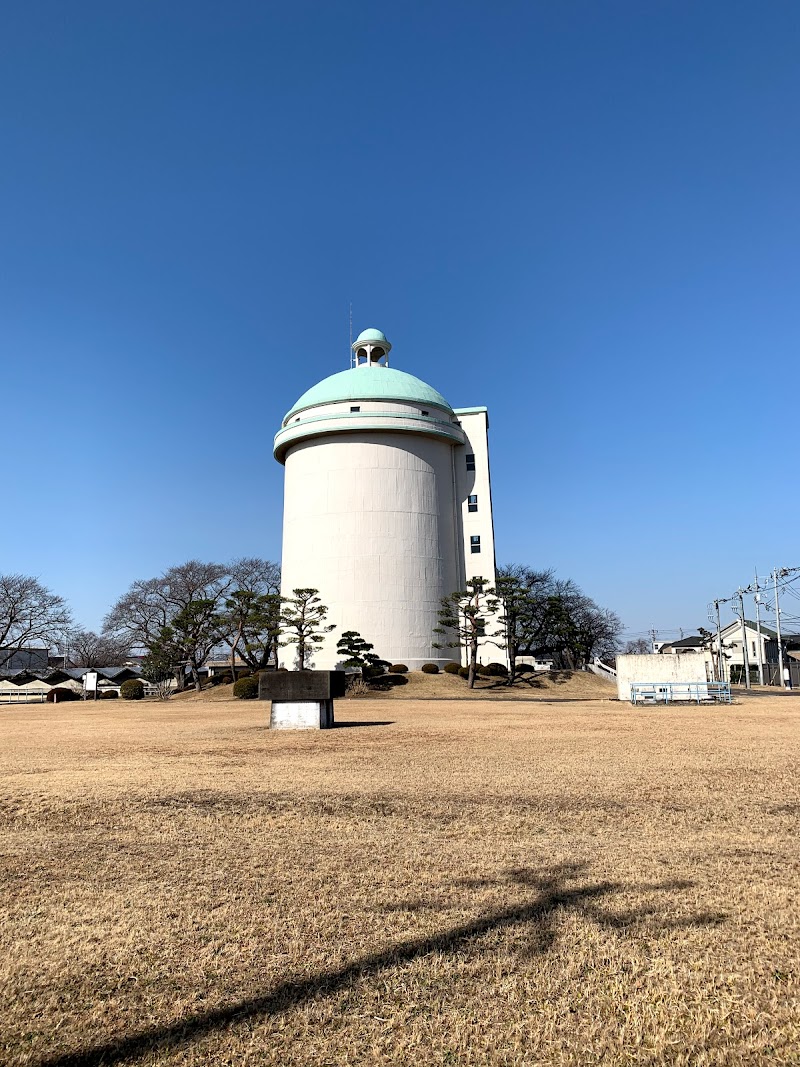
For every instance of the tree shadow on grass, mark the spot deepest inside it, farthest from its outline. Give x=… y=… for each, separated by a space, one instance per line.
x=551 y=890
x=386 y=682
x=346 y=723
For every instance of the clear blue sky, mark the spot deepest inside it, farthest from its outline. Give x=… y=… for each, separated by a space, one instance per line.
x=584 y=215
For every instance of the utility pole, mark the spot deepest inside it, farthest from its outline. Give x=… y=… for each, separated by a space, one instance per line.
x=745 y=659
x=720 y=658
x=757 y=599
x=775 y=575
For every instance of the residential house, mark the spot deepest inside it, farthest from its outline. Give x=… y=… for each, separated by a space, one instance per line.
x=733 y=654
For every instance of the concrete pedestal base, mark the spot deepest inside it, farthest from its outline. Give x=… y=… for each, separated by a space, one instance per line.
x=301 y=715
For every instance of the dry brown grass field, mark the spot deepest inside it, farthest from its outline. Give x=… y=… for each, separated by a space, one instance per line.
x=465 y=881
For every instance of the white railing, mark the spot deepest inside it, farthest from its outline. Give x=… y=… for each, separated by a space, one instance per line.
x=602 y=670
x=23 y=696
x=680 y=692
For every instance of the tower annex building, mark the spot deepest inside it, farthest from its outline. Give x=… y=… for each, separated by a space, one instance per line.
x=387 y=504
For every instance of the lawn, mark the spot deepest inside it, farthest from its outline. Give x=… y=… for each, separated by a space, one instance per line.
x=551 y=881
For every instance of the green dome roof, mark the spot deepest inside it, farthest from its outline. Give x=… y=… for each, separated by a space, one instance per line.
x=371 y=335
x=370 y=383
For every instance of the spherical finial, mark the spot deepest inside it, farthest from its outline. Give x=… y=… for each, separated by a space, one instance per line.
x=370 y=347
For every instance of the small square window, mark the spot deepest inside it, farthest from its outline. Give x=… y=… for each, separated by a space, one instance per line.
x=423 y=412
x=475 y=543
x=472 y=502
x=356 y=408
x=470 y=461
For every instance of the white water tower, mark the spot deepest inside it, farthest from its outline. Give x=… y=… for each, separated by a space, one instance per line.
x=387 y=504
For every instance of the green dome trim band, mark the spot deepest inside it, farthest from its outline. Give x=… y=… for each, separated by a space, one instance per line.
x=369 y=383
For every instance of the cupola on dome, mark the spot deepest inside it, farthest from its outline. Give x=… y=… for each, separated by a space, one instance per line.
x=371 y=335
x=371 y=349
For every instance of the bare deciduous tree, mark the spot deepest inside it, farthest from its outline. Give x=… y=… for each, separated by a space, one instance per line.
x=193 y=608
x=249 y=622
x=254 y=575
x=525 y=610
x=84 y=648
x=185 y=600
x=29 y=614
x=638 y=646
x=545 y=615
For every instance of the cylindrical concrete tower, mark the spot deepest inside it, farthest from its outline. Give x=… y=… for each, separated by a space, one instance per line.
x=371 y=515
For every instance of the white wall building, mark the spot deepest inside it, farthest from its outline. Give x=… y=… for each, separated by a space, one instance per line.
x=387 y=504
x=657 y=668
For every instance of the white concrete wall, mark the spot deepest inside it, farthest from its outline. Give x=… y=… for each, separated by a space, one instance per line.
x=658 y=668
x=369 y=521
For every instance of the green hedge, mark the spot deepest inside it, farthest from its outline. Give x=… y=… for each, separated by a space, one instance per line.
x=246 y=688
x=133 y=689
x=61 y=694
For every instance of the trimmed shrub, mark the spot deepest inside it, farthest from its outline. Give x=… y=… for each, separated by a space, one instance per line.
x=61 y=694
x=246 y=688
x=398 y=668
x=452 y=668
x=463 y=672
x=108 y=694
x=430 y=668
x=497 y=670
x=525 y=668
x=368 y=673
x=482 y=670
x=133 y=689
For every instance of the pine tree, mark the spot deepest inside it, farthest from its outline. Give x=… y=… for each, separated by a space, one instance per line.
x=303 y=624
x=356 y=652
x=463 y=618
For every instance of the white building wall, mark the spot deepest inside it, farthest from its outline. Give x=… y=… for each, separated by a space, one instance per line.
x=475 y=425
x=659 y=668
x=370 y=521
x=732 y=645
